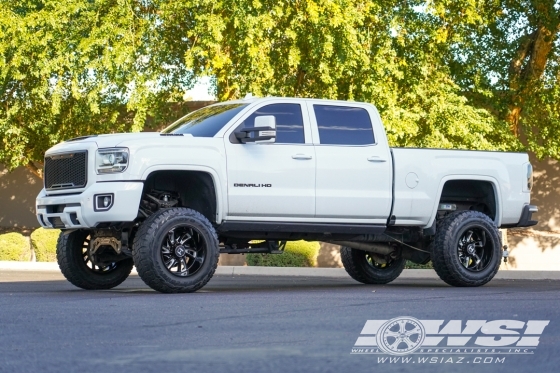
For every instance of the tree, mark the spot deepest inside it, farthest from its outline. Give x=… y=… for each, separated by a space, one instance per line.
x=505 y=55
x=387 y=52
x=75 y=67
x=476 y=74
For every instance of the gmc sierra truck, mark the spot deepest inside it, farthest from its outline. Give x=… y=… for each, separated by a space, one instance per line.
x=246 y=176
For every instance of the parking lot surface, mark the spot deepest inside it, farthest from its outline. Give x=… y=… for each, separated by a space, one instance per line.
x=268 y=324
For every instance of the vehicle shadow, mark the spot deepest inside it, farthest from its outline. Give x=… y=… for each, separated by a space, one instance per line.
x=227 y=284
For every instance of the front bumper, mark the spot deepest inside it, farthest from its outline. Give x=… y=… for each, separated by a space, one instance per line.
x=74 y=211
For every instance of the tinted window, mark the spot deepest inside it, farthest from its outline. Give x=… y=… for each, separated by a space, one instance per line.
x=289 y=122
x=205 y=122
x=342 y=125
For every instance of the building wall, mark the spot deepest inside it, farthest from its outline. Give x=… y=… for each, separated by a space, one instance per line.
x=18 y=190
x=539 y=248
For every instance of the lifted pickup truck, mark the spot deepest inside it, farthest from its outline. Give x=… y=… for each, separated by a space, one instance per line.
x=245 y=176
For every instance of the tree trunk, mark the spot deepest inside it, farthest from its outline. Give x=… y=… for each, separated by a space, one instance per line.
x=34 y=169
x=526 y=70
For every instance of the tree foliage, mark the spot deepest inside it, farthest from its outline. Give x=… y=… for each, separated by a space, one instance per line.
x=386 y=52
x=505 y=55
x=75 y=67
x=477 y=74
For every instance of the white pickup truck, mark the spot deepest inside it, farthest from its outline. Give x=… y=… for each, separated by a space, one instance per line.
x=245 y=176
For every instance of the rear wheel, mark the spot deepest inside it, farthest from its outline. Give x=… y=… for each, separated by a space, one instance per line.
x=467 y=249
x=74 y=260
x=176 y=250
x=369 y=268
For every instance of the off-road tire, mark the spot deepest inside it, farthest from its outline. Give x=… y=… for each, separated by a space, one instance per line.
x=445 y=256
x=71 y=257
x=147 y=250
x=360 y=269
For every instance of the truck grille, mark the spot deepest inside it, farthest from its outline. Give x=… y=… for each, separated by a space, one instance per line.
x=65 y=171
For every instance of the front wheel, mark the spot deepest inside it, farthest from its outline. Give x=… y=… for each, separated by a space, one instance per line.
x=368 y=268
x=74 y=260
x=176 y=250
x=467 y=250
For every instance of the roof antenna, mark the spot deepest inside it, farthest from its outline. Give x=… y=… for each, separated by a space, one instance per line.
x=248 y=96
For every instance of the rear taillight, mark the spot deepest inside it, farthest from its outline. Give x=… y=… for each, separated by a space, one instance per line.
x=528 y=184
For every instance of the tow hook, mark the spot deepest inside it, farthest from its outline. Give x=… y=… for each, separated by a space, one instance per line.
x=505 y=254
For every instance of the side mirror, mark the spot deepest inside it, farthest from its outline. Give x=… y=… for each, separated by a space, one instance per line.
x=263 y=132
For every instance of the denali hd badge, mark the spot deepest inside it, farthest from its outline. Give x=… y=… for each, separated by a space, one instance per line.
x=252 y=185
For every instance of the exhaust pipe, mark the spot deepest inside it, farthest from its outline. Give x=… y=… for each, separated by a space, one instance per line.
x=377 y=248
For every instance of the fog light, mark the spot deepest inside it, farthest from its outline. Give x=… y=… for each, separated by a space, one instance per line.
x=103 y=202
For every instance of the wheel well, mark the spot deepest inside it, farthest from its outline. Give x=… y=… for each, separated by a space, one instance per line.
x=474 y=195
x=194 y=188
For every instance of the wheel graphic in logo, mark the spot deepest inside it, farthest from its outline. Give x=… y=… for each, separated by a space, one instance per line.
x=400 y=336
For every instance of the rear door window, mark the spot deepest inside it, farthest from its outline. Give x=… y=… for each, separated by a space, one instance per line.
x=343 y=125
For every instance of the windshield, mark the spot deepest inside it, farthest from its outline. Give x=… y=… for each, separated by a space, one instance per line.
x=205 y=122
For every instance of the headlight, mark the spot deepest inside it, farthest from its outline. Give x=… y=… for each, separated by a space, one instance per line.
x=111 y=160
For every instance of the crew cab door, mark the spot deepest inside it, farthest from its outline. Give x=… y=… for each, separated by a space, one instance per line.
x=354 y=168
x=272 y=181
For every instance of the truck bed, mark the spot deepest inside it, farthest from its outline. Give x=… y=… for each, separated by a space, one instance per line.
x=420 y=176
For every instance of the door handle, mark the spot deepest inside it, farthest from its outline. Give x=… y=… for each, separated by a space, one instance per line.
x=301 y=156
x=375 y=158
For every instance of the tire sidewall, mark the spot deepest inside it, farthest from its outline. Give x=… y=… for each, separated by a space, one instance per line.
x=161 y=230
x=377 y=275
x=71 y=263
x=451 y=255
x=397 y=265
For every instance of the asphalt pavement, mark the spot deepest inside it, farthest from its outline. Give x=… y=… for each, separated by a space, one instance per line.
x=249 y=323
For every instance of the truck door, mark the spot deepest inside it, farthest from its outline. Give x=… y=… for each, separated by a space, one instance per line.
x=273 y=181
x=354 y=168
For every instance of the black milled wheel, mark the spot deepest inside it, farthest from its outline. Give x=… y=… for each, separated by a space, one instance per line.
x=176 y=250
x=467 y=249
x=74 y=262
x=362 y=267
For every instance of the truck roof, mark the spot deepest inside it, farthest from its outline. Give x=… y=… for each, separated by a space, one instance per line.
x=251 y=99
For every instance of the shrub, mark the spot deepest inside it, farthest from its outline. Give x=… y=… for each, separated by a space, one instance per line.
x=44 y=244
x=296 y=254
x=14 y=246
x=411 y=265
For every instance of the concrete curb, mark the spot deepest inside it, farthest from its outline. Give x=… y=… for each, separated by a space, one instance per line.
x=340 y=272
x=29 y=266
x=280 y=271
x=302 y=272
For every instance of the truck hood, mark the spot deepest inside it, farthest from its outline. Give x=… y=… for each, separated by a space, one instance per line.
x=133 y=141
x=113 y=140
